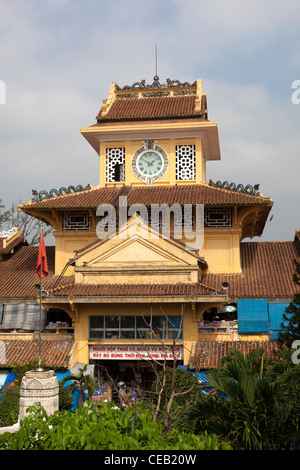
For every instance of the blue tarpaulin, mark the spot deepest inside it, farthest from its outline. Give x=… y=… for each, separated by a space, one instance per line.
x=10 y=378
x=61 y=374
x=252 y=316
x=276 y=310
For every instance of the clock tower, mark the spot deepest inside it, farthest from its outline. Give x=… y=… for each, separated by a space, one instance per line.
x=154 y=134
x=137 y=287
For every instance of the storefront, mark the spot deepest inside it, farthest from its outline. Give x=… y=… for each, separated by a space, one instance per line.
x=132 y=348
x=132 y=363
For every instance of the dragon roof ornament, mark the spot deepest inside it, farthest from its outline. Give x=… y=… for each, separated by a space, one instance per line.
x=249 y=189
x=156 y=84
x=39 y=196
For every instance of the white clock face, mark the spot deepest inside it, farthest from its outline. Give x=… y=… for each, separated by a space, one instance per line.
x=150 y=164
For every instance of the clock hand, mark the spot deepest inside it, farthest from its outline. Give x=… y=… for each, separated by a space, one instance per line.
x=144 y=160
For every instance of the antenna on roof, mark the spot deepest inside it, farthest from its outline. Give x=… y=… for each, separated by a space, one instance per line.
x=156 y=60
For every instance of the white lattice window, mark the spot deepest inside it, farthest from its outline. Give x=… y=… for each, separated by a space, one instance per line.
x=77 y=220
x=115 y=164
x=221 y=217
x=185 y=162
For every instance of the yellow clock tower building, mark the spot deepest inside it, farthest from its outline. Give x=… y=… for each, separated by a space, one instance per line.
x=147 y=282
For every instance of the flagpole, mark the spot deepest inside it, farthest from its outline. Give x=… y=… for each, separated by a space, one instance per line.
x=40 y=319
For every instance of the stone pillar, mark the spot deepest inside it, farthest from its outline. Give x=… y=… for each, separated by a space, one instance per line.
x=39 y=387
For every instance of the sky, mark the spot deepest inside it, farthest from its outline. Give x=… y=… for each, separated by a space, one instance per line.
x=59 y=57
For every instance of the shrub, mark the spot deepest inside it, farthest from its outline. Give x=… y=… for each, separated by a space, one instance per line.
x=101 y=428
x=9 y=406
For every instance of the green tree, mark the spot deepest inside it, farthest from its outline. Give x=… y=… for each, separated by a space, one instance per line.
x=102 y=428
x=255 y=408
x=291 y=328
x=83 y=381
x=29 y=226
x=9 y=406
x=178 y=390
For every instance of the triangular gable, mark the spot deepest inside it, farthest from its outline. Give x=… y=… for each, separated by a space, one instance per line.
x=135 y=249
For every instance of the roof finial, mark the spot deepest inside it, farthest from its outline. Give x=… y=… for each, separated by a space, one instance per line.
x=156 y=60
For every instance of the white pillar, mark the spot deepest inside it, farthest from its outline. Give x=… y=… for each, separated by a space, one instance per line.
x=39 y=387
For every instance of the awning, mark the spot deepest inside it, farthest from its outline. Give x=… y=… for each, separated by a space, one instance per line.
x=21 y=317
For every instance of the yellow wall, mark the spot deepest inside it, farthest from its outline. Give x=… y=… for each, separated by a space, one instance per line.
x=168 y=145
x=190 y=328
x=66 y=243
x=221 y=249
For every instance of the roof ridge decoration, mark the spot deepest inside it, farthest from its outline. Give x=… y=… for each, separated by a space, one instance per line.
x=63 y=191
x=156 y=84
x=240 y=188
x=9 y=232
x=141 y=90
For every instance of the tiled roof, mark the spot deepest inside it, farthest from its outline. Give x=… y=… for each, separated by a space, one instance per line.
x=208 y=353
x=54 y=353
x=10 y=246
x=156 y=194
x=266 y=271
x=17 y=272
x=132 y=290
x=153 y=108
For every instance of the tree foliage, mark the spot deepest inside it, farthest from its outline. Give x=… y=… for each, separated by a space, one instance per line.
x=101 y=428
x=83 y=381
x=3 y=215
x=291 y=328
x=29 y=226
x=256 y=406
x=179 y=385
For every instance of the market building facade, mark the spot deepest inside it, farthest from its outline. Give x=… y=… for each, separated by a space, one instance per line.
x=151 y=263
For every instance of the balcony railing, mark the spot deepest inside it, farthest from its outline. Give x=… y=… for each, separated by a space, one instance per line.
x=217 y=327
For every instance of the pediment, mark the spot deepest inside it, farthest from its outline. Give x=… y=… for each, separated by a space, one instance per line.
x=140 y=256
x=141 y=245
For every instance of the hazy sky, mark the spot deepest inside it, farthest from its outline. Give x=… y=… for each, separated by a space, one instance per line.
x=59 y=57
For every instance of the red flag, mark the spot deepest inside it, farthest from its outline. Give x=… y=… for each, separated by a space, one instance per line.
x=41 y=264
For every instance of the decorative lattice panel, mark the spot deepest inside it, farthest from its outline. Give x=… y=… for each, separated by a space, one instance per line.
x=107 y=222
x=158 y=219
x=115 y=164
x=185 y=219
x=79 y=220
x=218 y=217
x=185 y=162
